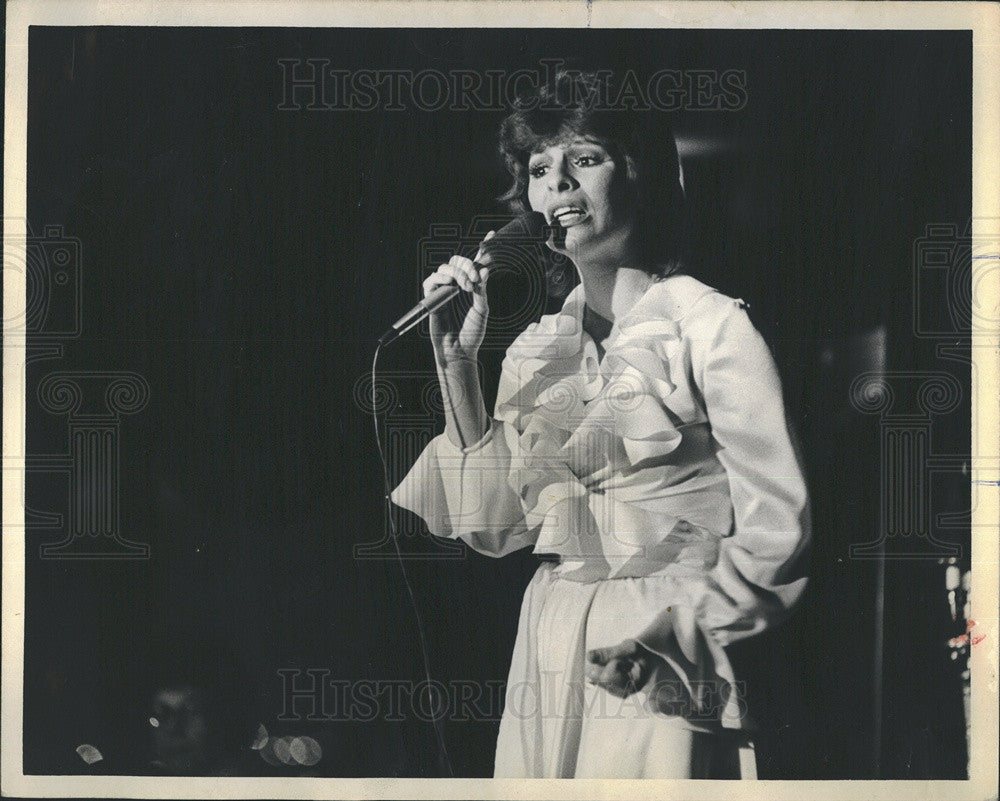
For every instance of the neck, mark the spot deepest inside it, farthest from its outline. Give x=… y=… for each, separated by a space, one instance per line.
x=613 y=275
x=612 y=289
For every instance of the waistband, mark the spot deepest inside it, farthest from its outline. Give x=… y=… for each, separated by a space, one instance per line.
x=556 y=567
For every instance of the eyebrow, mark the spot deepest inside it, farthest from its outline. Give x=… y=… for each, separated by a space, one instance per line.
x=576 y=143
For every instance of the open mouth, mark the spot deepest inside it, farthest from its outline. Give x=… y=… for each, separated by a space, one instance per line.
x=568 y=215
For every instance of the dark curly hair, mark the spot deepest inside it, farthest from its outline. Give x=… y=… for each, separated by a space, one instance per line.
x=588 y=103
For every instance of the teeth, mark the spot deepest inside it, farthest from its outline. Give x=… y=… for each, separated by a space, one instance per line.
x=564 y=210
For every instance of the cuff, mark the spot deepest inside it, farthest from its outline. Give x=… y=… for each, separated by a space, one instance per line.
x=701 y=665
x=465 y=492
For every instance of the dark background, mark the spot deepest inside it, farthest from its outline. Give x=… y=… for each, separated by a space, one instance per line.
x=243 y=260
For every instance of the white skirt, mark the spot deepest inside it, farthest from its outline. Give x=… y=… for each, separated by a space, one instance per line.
x=556 y=725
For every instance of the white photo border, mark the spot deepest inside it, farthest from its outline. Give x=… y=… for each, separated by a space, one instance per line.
x=983 y=19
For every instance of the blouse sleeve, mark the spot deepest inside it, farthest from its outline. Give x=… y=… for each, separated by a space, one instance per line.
x=465 y=493
x=760 y=572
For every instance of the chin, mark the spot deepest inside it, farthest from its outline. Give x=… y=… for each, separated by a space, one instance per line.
x=579 y=242
x=577 y=234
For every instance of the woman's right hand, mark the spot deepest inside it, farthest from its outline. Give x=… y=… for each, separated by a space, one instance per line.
x=456 y=331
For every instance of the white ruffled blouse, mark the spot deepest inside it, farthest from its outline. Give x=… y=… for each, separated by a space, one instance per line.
x=669 y=457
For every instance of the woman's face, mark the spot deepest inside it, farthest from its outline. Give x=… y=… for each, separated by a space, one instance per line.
x=573 y=183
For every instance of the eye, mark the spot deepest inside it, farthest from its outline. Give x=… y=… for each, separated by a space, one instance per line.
x=538 y=170
x=588 y=159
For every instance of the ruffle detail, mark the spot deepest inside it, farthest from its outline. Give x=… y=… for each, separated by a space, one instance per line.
x=574 y=414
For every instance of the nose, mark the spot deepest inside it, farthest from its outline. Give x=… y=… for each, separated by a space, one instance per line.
x=559 y=178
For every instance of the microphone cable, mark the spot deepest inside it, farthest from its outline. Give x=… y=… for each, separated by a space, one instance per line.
x=387 y=489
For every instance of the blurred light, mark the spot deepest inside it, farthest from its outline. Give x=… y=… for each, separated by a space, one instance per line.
x=282 y=750
x=305 y=750
x=952 y=576
x=89 y=754
x=694 y=146
x=873 y=346
x=267 y=753
x=154 y=722
x=261 y=739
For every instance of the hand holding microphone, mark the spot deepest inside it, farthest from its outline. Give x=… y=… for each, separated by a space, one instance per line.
x=458 y=335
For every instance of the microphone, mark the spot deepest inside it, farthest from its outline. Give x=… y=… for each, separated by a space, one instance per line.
x=528 y=227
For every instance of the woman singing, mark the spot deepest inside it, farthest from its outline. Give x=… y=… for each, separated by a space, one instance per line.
x=640 y=436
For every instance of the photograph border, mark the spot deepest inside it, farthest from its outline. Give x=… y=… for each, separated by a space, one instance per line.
x=983 y=19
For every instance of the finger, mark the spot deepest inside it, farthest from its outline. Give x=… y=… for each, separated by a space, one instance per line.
x=481 y=256
x=597 y=656
x=611 y=677
x=467 y=267
x=461 y=276
x=624 y=649
x=434 y=280
x=480 y=305
x=480 y=301
x=631 y=679
x=638 y=673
